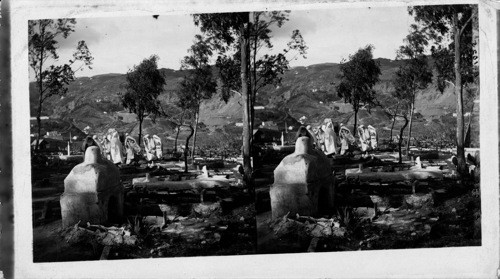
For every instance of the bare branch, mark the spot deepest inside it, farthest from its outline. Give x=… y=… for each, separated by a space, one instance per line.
x=450 y=82
x=467 y=22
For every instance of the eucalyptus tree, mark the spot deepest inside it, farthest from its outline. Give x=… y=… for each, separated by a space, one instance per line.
x=199 y=83
x=244 y=61
x=450 y=29
x=414 y=73
x=51 y=77
x=358 y=76
x=144 y=84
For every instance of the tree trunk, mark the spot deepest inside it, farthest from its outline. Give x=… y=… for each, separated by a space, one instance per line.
x=38 y=123
x=409 y=129
x=355 y=121
x=461 y=167
x=253 y=90
x=467 y=138
x=140 y=131
x=400 y=143
x=244 y=43
x=178 y=131
x=392 y=126
x=40 y=89
x=176 y=137
x=197 y=118
x=186 y=149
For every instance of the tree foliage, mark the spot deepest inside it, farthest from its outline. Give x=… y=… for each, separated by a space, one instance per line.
x=414 y=73
x=245 y=64
x=199 y=83
x=439 y=23
x=450 y=28
x=358 y=76
x=230 y=32
x=265 y=67
x=144 y=84
x=43 y=44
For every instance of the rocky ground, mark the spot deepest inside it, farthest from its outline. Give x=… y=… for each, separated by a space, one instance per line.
x=431 y=213
x=218 y=226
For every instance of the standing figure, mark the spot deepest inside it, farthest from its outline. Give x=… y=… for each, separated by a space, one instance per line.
x=116 y=148
x=331 y=139
x=347 y=140
x=107 y=148
x=158 y=147
x=132 y=148
x=320 y=135
x=364 y=138
x=373 y=137
x=149 y=146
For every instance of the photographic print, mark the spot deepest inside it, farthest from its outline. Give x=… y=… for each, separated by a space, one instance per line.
x=134 y=159
x=365 y=153
x=146 y=142
x=215 y=140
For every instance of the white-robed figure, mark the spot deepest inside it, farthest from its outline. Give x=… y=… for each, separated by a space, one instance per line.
x=116 y=147
x=320 y=138
x=331 y=139
x=158 y=147
x=131 y=148
x=107 y=148
x=364 y=138
x=373 y=137
x=149 y=146
x=346 y=139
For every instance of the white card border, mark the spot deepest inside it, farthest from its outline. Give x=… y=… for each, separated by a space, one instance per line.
x=465 y=262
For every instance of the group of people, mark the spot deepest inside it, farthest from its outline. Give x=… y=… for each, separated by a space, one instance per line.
x=333 y=138
x=125 y=150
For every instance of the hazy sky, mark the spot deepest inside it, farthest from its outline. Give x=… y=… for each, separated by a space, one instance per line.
x=119 y=43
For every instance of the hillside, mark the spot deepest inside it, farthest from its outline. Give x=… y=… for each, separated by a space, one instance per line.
x=305 y=92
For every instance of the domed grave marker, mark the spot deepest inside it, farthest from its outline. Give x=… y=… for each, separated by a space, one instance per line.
x=92 y=191
x=303 y=182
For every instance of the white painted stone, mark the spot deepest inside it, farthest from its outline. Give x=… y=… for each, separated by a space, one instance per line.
x=298 y=180
x=92 y=191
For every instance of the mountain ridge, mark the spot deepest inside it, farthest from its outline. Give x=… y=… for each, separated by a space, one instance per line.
x=305 y=91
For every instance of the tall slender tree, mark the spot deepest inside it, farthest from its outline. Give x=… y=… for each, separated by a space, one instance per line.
x=358 y=76
x=450 y=29
x=52 y=78
x=199 y=83
x=391 y=107
x=241 y=40
x=414 y=74
x=229 y=32
x=186 y=121
x=265 y=68
x=401 y=105
x=144 y=84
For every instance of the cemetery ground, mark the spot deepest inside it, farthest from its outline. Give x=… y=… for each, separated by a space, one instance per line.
x=379 y=204
x=157 y=223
